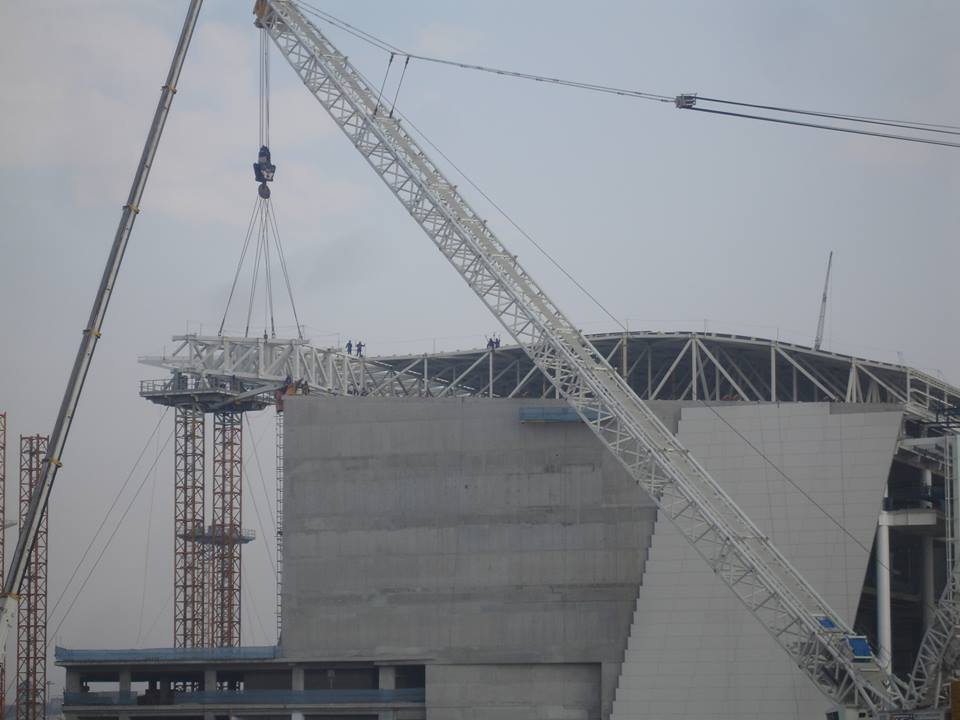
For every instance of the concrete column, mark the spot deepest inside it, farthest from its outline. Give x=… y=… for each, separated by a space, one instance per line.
x=124 y=686
x=884 y=625
x=72 y=683
x=296 y=679
x=388 y=677
x=209 y=680
x=928 y=599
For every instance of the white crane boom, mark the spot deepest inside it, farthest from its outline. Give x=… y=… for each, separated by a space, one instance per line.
x=91 y=333
x=818 y=341
x=791 y=610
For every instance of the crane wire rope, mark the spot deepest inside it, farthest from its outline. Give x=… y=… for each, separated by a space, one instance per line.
x=256 y=506
x=928 y=127
x=460 y=172
x=243 y=255
x=110 y=509
x=107 y=544
x=543 y=251
x=283 y=266
x=146 y=552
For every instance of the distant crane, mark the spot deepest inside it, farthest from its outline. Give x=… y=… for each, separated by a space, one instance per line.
x=823 y=306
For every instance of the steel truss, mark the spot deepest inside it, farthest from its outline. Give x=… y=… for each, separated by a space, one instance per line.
x=657 y=366
x=938 y=659
x=269 y=362
x=188 y=580
x=32 y=611
x=226 y=534
x=814 y=636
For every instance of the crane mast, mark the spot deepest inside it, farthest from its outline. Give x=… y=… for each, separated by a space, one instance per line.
x=799 y=620
x=823 y=306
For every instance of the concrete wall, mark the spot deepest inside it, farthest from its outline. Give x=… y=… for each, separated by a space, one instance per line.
x=504 y=692
x=694 y=652
x=447 y=531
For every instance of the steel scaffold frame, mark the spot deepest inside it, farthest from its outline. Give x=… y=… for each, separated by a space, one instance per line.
x=799 y=620
x=188 y=605
x=226 y=529
x=32 y=611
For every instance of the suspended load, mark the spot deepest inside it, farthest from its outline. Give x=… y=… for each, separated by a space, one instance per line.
x=263 y=170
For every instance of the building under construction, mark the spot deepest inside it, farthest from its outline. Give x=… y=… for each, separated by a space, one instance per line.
x=457 y=544
x=629 y=526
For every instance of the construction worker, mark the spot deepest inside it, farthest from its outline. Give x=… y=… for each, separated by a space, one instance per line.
x=349 y=347
x=359 y=349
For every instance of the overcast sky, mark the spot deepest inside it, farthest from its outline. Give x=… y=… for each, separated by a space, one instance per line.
x=673 y=220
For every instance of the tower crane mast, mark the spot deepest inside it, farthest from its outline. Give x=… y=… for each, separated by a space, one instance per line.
x=822 y=645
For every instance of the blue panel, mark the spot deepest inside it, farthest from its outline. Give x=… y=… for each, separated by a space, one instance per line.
x=552 y=414
x=860 y=648
x=826 y=622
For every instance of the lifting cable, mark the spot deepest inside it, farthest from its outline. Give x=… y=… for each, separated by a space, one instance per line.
x=262 y=225
x=683 y=101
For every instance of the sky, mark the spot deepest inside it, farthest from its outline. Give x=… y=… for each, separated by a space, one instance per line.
x=672 y=220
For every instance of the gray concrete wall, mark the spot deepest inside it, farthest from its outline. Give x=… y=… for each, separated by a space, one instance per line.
x=694 y=652
x=446 y=530
x=504 y=692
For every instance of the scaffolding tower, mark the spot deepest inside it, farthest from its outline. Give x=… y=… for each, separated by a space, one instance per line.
x=32 y=611
x=226 y=534
x=207 y=578
x=188 y=604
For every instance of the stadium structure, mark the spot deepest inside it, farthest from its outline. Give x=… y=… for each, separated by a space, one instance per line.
x=457 y=544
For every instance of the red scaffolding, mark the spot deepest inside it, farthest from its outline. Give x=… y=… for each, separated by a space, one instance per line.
x=32 y=611
x=226 y=534
x=188 y=608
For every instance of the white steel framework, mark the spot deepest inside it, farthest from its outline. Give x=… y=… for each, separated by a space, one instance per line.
x=815 y=637
x=656 y=365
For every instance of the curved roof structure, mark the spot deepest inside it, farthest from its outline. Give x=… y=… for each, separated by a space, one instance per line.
x=658 y=365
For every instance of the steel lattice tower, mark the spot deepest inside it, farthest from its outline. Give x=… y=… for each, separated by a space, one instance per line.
x=188 y=613
x=32 y=612
x=226 y=534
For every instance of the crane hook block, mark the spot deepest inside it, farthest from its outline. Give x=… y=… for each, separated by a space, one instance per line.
x=685 y=102
x=263 y=169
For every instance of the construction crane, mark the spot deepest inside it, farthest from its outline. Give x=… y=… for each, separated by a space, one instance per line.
x=839 y=662
x=823 y=306
x=91 y=334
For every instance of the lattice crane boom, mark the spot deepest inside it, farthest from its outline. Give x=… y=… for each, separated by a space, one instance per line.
x=91 y=333
x=791 y=610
